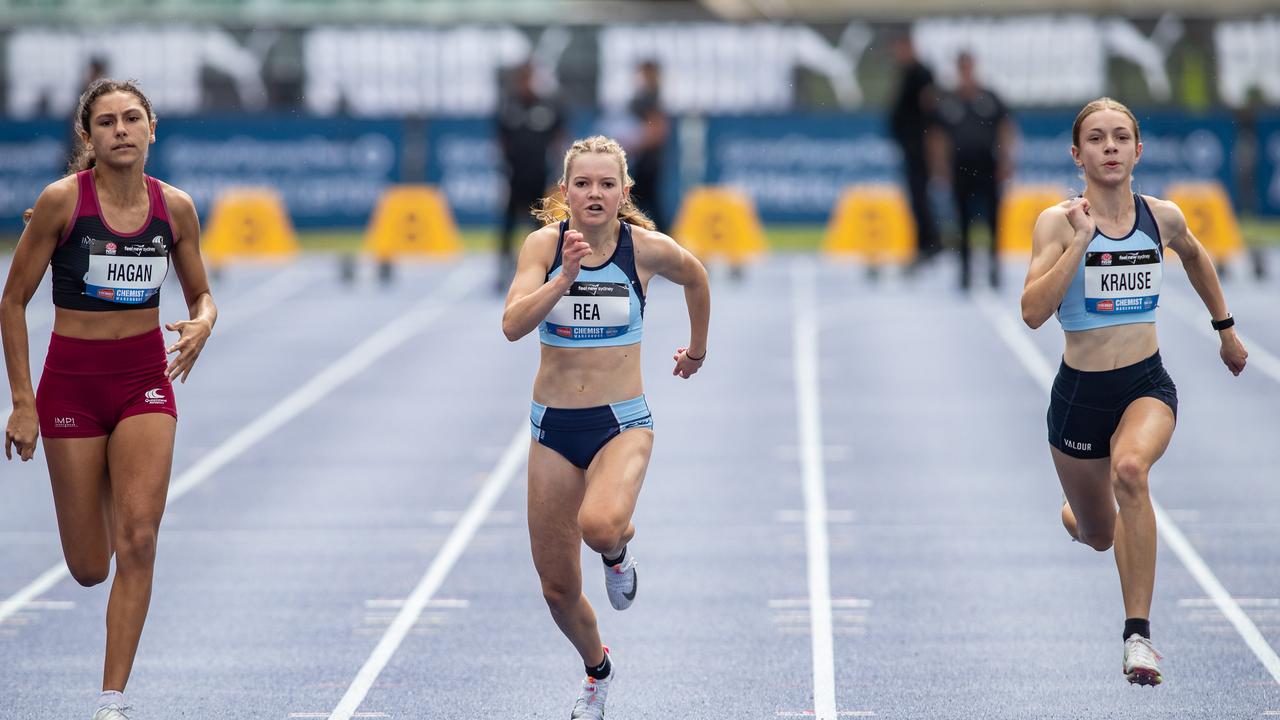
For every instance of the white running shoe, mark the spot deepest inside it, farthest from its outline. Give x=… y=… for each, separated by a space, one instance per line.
x=1141 y=661
x=590 y=703
x=112 y=712
x=620 y=582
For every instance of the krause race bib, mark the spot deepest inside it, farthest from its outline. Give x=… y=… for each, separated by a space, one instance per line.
x=126 y=272
x=1122 y=281
x=591 y=311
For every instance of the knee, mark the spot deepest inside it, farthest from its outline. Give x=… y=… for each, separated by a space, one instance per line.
x=602 y=534
x=560 y=596
x=89 y=572
x=1129 y=478
x=1097 y=540
x=136 y=546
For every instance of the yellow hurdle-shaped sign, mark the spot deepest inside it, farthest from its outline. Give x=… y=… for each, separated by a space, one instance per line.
x=720 y=222
x=1020 y=207
x=249 y=223
x=871 y=223
x=412 y=220
x=1210 y=217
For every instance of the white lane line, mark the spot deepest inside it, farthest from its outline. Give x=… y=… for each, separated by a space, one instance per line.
x=454 y=546
x=808 y=410
x=358 y=359
x=1039 y=368
x=1260 y=359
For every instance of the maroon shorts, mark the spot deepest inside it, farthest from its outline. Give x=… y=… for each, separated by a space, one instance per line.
x=89 y=386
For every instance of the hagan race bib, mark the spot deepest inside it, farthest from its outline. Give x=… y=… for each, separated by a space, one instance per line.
x=126 y=272
x=591 y=311
x=1122 y=281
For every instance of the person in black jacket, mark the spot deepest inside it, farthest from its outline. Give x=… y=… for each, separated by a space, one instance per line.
x=910 y=121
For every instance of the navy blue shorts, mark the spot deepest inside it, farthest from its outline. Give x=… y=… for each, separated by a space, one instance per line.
x=1085 y=407
x=579 y=433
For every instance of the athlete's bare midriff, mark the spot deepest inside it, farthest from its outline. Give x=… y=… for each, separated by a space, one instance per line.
x=587 y=377
x=105 y=325
x=1108 y=348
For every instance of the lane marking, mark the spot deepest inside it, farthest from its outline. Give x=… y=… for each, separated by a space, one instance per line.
x=510 y=462
x=1035 y=363
x=1260 y=359
x=354 y=362
x=808 y=410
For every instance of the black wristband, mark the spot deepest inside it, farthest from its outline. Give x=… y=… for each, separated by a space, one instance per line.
x=1222 y=324
x=704 y=356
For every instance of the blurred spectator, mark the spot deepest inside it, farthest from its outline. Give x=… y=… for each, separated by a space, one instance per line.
x=645 y=158
x=910 y=121
x=529 y=126
x=981 y=137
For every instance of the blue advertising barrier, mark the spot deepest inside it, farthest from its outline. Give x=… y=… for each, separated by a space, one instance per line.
x=1175 y=148
x=330 y=172
x=1266 y=177
x=795 y=167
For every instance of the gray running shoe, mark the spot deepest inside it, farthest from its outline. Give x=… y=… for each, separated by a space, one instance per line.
x=590 y=703
x=1141 y=661
x=620 y=582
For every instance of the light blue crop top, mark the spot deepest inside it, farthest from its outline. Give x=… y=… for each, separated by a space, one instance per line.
x=605 y=305
x=1118 y=281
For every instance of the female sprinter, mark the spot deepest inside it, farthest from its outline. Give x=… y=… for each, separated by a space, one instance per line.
x=1097 y=262
x=105 y=404
x=581 y=282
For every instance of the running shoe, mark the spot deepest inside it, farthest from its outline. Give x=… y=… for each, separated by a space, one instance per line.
x=1141 y=661
x=590 y=703
x=620 y=581
x=112 y=712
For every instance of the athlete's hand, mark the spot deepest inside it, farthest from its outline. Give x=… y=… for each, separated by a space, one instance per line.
x=192 y=335
x=685 y=365
x=1233 y=352
x=21 y=433
x=572 y=252
x=1079 y=217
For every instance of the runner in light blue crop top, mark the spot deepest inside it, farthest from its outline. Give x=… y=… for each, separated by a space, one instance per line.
x=1118 y=280
x=605 y=305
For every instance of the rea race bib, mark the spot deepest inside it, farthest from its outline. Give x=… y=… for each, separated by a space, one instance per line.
x=591 y=311
x=1122 y=281
x=126 y=272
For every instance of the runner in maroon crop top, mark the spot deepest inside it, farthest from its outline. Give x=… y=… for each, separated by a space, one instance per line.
x=105 y=404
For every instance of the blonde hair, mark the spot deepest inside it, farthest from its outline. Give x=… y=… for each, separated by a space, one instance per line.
x=1103 y=103
x=554 y=208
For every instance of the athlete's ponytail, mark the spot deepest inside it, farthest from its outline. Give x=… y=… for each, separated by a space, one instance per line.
x=554 y=208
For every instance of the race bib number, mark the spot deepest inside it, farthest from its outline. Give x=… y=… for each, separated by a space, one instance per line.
x=128 y=273
x=1122 y=281
x=591 y=311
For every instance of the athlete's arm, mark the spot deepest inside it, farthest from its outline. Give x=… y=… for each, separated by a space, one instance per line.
x=660 y=255
x=193 y=333
x=35 y=248
x=531 y=295
x=1058 y=242
x=1201 y=273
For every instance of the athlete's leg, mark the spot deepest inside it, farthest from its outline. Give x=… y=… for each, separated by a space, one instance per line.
x=140 y=456
x=1090 y=512
x=82 y=500
x=613 y=485
x=1140 y=440
x=555 y=494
